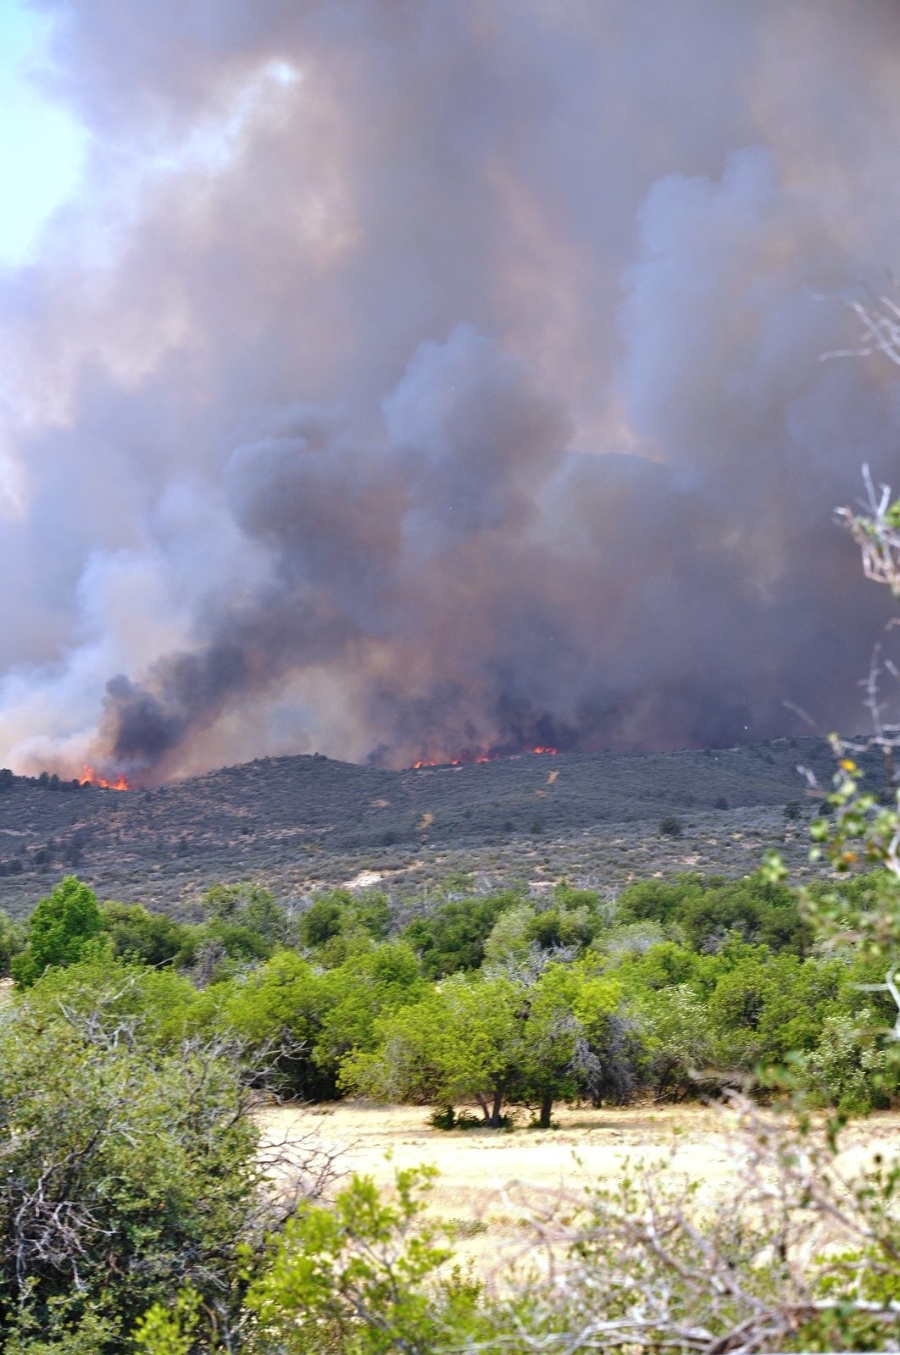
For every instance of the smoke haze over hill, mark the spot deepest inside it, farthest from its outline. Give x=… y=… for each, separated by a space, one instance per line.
x=423 y=380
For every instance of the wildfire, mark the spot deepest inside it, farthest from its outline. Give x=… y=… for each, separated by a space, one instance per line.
x=482 y=757
x=95 y=780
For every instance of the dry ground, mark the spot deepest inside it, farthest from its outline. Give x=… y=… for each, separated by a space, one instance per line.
x=298 y=824
x=490 y=1181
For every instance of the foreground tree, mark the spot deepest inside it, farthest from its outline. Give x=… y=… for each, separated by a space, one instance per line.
x=127 y=1170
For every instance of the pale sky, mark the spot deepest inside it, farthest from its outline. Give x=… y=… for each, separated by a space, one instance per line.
x=42 y=147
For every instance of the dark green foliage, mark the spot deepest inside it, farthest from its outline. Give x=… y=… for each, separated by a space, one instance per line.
x=13 y=937
x=127 y=1172
x=338 y=923
x=671 y=826
x=250 y=907
x=704 y=911
x=452 y=937
x=152 y=938
x=445 y=1118
x=571 y=922
x=60 y=929
x=321 y=922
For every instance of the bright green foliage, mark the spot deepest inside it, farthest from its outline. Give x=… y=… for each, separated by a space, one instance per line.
x=859 y=830
x=511 y=938
x=159 y=1007
x=309 y=1019
x=659 y=966
x=60 y=930
x=849 y=1066
x=361 y=1277
x=570 y=1040
x=277 y=1010
x=739 y=1010
x=490 y=1038
x=170 y=1330
x=677 y=1040
x=770 y=1006
x=371 y=983
x=462 y=1042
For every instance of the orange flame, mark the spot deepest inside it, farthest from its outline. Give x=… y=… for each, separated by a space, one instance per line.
x=483 y=757
x=93 y=779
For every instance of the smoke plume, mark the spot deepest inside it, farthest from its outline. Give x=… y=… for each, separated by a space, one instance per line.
x=414 y=380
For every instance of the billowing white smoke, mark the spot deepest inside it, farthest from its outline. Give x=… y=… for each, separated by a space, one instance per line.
x=421 y=380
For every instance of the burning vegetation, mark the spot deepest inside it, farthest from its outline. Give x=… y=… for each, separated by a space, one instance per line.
x=474 y=757
x=93 y=778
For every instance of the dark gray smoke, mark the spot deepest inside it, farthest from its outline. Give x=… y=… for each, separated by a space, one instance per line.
x=424 y=380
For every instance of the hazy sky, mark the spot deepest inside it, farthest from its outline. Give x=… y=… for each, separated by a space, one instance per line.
x=42 y=145
x=419 y=378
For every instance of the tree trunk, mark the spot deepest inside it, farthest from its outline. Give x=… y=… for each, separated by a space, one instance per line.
x=546 y=1108
x=495 y=1108
x=484 y=1107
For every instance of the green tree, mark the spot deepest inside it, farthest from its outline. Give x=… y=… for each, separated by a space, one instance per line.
x=248 y=906
x=459 y=1043
x=701 y=912
x=369 y=984
x=363 y=1277
x=60 y=930
x=568 y=1042
x=276 y=1011
x=498 y=1037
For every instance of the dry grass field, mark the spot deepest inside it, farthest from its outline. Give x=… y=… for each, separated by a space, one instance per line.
x=491 y=1183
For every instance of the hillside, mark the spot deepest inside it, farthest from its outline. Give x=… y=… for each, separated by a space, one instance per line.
x=297 y=822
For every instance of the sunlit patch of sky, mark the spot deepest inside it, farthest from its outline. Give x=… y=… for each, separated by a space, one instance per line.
x=42 y=147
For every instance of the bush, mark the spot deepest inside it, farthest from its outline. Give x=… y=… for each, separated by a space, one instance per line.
x=704 y=911
x=152 y=938
x=127 y=1173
